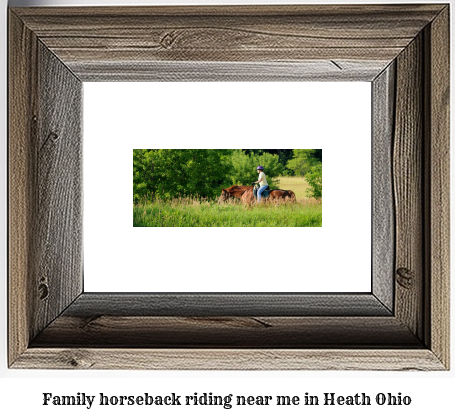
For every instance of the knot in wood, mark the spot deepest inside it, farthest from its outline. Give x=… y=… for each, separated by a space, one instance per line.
x=53 y=136
x=405 y=278
x=43 y=291
x=77 y=359
x=168 y=39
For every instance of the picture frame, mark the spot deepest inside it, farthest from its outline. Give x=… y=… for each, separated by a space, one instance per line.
x=402 y=324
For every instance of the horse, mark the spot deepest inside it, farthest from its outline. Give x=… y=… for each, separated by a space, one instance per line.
x=233 y=192
x=282 y=194
x=248 y=197
x=278 y=195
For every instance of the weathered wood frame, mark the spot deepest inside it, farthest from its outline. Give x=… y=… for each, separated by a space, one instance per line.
x=403 y=50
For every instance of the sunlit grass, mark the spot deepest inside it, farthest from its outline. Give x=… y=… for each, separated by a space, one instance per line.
x=190 y=212
x=297 y=184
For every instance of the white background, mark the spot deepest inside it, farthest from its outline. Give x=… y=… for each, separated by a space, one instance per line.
x=22 y=390
x=119 y=117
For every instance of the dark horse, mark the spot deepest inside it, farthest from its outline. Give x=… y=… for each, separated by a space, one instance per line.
x=245 y=194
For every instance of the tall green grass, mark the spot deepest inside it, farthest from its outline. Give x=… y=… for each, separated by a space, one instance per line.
x=188 y=212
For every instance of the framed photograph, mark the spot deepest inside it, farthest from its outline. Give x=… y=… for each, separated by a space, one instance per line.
x=402 y=323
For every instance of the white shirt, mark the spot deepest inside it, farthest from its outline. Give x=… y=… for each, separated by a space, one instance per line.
x=262 y=179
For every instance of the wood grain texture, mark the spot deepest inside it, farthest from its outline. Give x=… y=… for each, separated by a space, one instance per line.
x=58 y=247
x=228 y=34
x=325 y=70
x=212 y=305
x=44 y=187
x=438 y=193
x=213 y=44
x=407 y=174
x=22 y=95
x=383 y=215
x=257 y=332
x=229 y=359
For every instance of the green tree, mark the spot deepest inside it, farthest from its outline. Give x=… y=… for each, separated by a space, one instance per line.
x=314 y=179
x=304 y=160
x=244 y=167
x=169 y=173
x=143 y=175
x=283 y=155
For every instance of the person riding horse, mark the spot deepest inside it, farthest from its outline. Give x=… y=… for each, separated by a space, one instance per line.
x=262 y=180
x=247 y=194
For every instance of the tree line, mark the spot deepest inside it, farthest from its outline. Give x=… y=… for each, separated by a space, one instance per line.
x=171 y=173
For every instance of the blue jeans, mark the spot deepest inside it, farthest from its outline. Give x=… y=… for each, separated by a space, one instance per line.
x=261 y=189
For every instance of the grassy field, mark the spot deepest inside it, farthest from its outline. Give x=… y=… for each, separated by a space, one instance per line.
x=297 y=184
x=187 y=212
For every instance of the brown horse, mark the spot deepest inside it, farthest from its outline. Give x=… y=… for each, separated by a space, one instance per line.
x=282 y=194
x=248 y=197
x=276 y=195
x=233 y=192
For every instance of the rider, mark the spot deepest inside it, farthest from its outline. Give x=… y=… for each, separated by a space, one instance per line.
x=262 y=180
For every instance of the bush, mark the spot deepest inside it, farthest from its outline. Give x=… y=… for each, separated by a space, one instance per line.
x=314 y=179
x=244 y=167
x=303 y=161
x=170 y=173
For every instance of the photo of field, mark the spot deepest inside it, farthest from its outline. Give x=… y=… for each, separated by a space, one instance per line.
x=216 y=188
